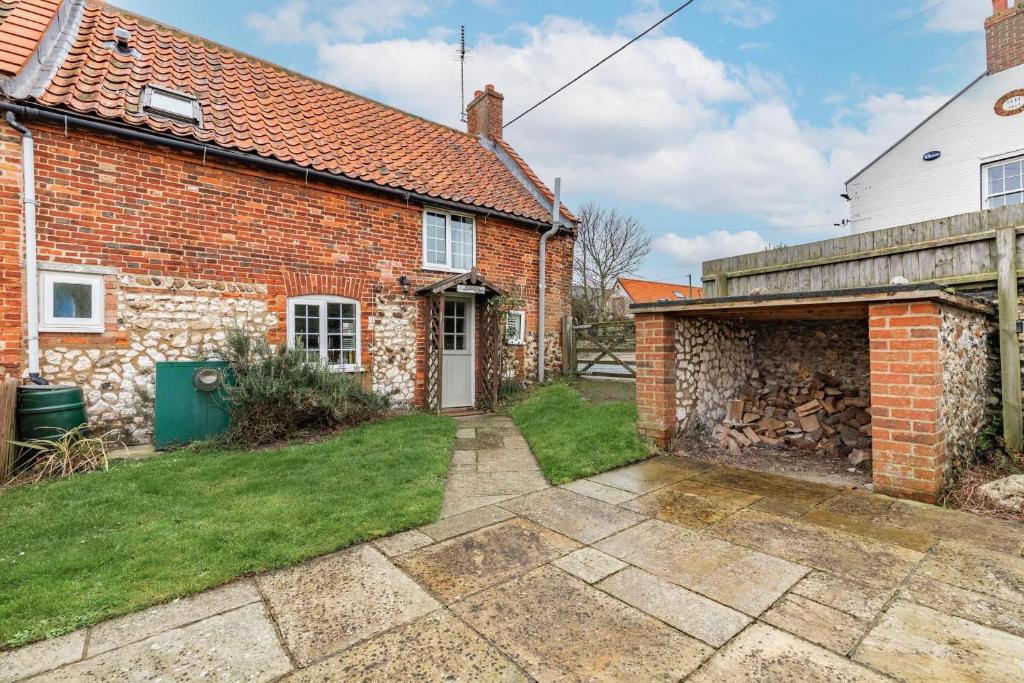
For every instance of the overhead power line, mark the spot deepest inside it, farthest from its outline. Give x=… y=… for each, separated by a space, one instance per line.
x=876 y=36
x=653 y=26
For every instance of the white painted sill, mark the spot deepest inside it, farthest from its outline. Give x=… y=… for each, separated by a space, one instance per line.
x=443 y=269
x=92 y=329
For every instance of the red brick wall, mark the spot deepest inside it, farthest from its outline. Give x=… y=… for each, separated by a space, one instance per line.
x=656 y=377
x=144 y=210
x=1004 y=37
x=908 y=449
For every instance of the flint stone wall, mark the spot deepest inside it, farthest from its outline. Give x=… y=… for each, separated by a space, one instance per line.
x=715 y=358
x=394 y=348
x=162 y=319
x=969 y=377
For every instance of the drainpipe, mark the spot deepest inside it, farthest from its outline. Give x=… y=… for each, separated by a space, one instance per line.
x=555 y=208
x=31 y=265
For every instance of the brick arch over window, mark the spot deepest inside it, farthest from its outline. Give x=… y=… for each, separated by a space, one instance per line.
x=304 y=284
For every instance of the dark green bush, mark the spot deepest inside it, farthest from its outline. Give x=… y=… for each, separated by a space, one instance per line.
x=278 y=394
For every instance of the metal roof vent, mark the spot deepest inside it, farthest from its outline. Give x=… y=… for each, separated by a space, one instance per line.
x=122 y=42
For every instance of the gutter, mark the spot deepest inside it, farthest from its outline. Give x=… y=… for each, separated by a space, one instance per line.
x=31 y=263
x=62 y=120
x=542 y=279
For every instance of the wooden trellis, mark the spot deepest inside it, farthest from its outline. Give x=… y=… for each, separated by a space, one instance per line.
x=435 y=344
x=489 y=330
x=491 y=356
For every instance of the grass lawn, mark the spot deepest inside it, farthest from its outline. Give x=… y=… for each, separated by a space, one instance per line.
x=84 y=549
x=573 y=437
x=604 y=390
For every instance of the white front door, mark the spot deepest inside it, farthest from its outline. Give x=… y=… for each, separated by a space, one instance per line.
x=457 y=376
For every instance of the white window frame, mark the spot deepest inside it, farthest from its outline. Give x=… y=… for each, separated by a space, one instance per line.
x=150 y=107
x=50 y=323
x=519 y=341
x=322 y=301
x=985 y=195
x=447 y=265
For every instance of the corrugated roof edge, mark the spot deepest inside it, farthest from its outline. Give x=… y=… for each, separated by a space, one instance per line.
x=926 y=289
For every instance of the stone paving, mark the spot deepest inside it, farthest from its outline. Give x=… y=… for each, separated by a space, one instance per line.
x=664 y=570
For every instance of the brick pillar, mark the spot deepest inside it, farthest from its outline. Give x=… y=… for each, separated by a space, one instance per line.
x=908 y=440
x=656 y=377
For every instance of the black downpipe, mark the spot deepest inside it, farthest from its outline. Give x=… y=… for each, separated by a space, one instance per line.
x=61 y=119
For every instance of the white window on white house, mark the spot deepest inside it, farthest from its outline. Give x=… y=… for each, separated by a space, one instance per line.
x=71 y=302
x=515 y=328
x=449 y=241
x=1003 y=183
x=327 y=328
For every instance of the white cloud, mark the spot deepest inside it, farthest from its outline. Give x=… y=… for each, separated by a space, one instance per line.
x=644 y=14
x=690 y=252
x=660 y=123
x=748 y=14
x=354 y=20
x=958 y=16
x=286 y=25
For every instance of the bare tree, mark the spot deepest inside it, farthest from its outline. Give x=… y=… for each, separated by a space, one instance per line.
x=608 y=245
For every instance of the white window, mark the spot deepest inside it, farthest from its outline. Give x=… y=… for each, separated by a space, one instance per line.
x=173 y=104
x=327 y=328
x=71 y=302
x=515 y=328
x=449 y=241
x=1002 y=183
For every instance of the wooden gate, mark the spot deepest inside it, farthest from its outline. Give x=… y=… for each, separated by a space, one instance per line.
x=605 y=350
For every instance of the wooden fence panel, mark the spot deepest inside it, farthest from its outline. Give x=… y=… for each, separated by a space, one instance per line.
x=8 y=408
x=958 y=251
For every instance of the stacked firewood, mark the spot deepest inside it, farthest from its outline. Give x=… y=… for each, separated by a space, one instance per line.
x=813 y=413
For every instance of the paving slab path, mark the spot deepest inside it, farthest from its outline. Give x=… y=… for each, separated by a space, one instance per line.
x=665 y=570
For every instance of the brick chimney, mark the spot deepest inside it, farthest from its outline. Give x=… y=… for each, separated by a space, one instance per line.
x=1004 y=35
x=484 y=113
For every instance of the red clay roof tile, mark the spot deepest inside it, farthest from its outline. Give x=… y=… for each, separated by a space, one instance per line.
x=647 y=292
x=22 y=25
x=253 y=106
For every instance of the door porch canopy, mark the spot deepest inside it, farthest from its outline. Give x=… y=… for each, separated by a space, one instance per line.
x=491 y=354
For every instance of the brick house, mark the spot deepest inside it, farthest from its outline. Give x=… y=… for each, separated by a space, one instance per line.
x=182 y=187
x=629 y=291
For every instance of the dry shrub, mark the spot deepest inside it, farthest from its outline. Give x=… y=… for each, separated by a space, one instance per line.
x=964 y=494
x=75 y=450
x=278 y=394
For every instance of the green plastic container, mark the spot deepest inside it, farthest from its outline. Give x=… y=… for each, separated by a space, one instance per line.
x=191 y=404
x=46 y=412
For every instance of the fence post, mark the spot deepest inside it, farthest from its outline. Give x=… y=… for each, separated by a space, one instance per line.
x=1009 y=345
x=721 y=284
x=8 y=403
x=568 y=346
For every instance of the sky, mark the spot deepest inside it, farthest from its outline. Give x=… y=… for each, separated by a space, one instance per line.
x=730 y=129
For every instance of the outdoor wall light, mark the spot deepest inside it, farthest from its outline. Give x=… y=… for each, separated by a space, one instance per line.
x=404 y=281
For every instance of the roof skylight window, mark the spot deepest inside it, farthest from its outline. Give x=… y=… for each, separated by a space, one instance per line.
x=175 y=105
